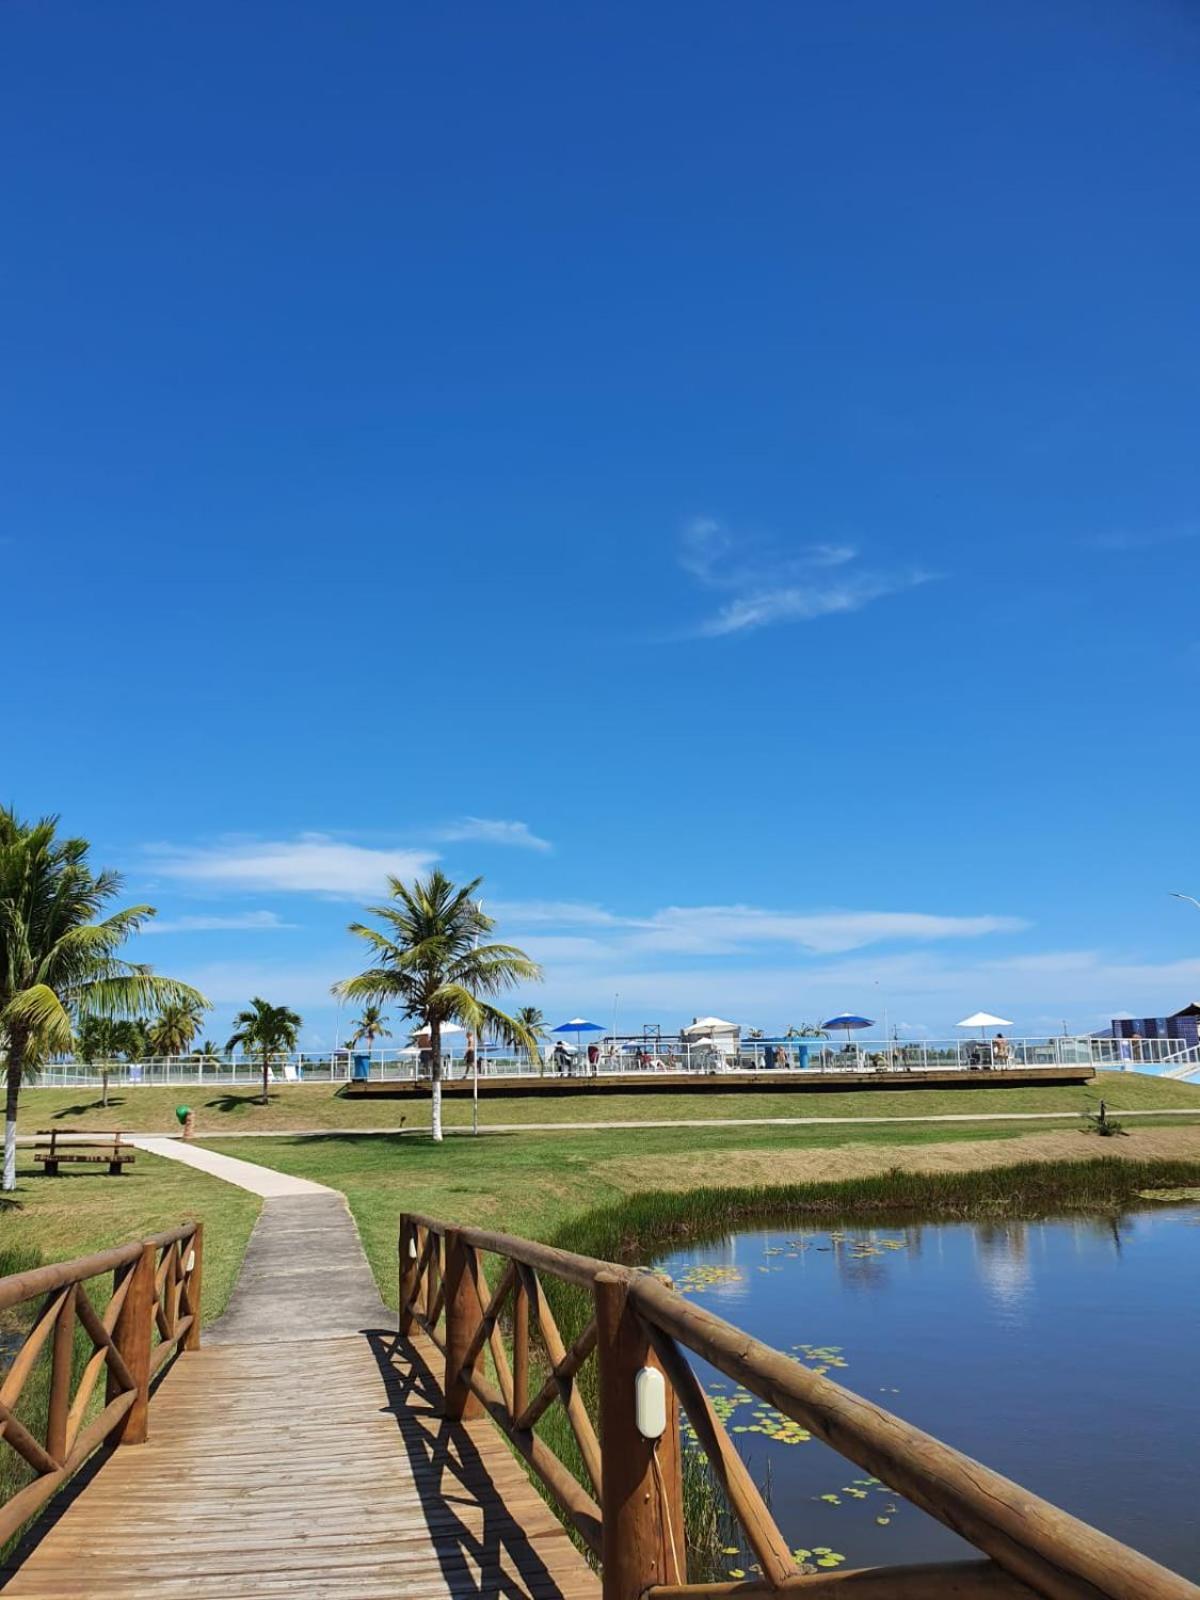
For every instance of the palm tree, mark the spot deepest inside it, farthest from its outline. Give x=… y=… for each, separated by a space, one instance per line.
x=430 y=960
x=172 y=1031
x=267 y=1029
x=57 y=961
x=99 y=1039
x=210 y=1050
x=533 y=1019
x=370 y=1026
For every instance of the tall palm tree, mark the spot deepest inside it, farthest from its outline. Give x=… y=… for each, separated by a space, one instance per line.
x=172 y=1031
x=58 y=962
x=267 y=1029
x=533 y=1018
x=429 y=958
x=370 y=1026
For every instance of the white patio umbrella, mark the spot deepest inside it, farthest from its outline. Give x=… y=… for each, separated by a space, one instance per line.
x=982 y=1020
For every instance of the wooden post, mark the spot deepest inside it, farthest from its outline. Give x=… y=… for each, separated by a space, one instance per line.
x=463 y=1316
x=520 y=1316
x=132 y=1336
x=62 y=1360
x=642 y=1479
x=409 y=1266
x=195 y=1285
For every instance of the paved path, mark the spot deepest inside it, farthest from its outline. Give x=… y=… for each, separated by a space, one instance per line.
x=666 y=1122
x=300 y=1452
x=245 y=1174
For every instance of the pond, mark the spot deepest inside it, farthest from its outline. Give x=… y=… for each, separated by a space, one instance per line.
x=1060 y=1353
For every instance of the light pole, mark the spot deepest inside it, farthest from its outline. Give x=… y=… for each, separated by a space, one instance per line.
x=1176 y=894
x=337 y=1036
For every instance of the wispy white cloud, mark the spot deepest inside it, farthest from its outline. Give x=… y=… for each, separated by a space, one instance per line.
x=1129 y=539
x=930 y=989
x=249 y=921
x=766 y=584
x=720 y=930
x=491 y=830
x=557 y=913
x=312 y=863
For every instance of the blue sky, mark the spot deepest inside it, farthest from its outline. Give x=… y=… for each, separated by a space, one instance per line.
x=727 y=474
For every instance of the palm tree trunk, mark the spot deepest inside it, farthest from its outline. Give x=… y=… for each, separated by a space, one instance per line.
x=435 y=1061
x=16 y=1067
x=266 y=1075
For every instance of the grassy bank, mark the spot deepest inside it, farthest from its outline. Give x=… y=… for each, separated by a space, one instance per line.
x=646 y=1225
x=301 y=1107
x=541 y=1184
x=55 y=1219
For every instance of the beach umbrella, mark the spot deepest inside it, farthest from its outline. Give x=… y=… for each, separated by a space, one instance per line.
x=847 y=1020
x=578 y=1025
x=982 y=1020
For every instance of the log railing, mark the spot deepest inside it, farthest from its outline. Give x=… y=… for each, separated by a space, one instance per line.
x=629 y=1512
x=153 y=1311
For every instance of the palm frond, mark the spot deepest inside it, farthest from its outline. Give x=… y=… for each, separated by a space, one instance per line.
x=40 y=1015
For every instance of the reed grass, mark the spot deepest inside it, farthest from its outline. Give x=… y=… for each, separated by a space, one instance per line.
x=648 y=1225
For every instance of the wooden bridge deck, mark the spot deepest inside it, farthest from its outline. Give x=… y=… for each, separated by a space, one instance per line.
x=316 y=1468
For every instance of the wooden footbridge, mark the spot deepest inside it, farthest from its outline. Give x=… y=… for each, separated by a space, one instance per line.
x=291 y=1456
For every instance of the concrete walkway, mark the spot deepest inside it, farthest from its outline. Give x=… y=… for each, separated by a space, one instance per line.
x=666 y=1122
x=245 y=1174
x=304 y=1275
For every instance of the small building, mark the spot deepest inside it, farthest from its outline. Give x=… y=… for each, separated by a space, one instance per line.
x=1182 y=1025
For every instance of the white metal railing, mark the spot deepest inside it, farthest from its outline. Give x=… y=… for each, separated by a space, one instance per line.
x=1185 y=1064
x=653 y=1054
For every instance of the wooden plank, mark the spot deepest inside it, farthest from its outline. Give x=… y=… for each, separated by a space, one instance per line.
x=383 y=1499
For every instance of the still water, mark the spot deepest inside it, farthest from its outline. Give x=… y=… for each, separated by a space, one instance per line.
x=1063 y=1354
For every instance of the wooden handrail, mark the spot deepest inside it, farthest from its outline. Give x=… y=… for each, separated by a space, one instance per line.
x=1034 y=1549
x=19 y=1286
x=156 y=1285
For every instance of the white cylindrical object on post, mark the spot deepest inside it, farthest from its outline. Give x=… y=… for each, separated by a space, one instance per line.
x=650 y=1403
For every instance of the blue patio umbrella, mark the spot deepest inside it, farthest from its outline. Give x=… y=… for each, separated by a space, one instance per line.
x=847 y=1020
x=578 y=1025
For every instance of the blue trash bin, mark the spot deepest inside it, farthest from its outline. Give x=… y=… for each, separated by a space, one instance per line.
x=802 y=1056
x=362 y=1068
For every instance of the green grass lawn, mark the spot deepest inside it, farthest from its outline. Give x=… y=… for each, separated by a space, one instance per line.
x=540 y=1182
x=300 y=1107
x=86 y=1210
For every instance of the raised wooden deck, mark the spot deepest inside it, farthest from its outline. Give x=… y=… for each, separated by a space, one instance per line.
x=315 y=1469
x=691 y=1083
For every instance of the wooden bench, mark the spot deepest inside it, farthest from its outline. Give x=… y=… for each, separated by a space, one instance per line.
x=81 y=1147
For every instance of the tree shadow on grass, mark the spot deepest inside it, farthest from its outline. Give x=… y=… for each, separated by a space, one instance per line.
x=231 y=1104
x=89 y=1105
